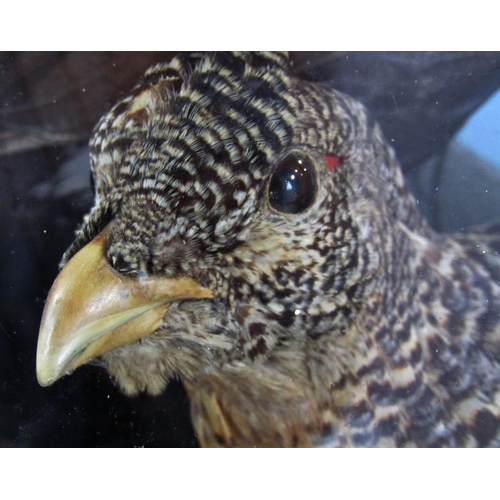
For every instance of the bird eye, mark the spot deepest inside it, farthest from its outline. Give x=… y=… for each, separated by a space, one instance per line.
x=92 y=183
x=293 y=185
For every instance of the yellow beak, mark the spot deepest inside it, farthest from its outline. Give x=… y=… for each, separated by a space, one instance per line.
x=91 y=310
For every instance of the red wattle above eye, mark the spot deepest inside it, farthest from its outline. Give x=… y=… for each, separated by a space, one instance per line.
x=332 y=161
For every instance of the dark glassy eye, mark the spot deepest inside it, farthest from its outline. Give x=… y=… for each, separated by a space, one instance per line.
x=92 y=183
x=293 y=185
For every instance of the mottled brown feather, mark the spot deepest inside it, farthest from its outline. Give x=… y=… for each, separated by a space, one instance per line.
x=349 y=324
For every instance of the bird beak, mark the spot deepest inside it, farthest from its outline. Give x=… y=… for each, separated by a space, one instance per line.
x=91 y=310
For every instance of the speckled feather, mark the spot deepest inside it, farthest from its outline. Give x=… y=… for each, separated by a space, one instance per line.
x=349 y=324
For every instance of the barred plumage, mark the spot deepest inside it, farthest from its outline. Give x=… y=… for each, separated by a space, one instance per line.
x=348 y=323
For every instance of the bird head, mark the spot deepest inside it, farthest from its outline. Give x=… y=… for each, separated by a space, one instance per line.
x=239 y=236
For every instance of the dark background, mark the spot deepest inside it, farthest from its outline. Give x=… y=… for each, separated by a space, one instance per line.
x=49 y=103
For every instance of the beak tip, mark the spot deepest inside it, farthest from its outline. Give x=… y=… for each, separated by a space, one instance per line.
x=44 y=383
x=45 y=372
x=43 y=379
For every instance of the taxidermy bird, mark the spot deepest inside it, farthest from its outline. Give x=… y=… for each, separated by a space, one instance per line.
x=252 y=236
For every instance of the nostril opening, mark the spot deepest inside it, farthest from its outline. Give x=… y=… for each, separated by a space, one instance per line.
x=121 y=265
x=204 y=282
